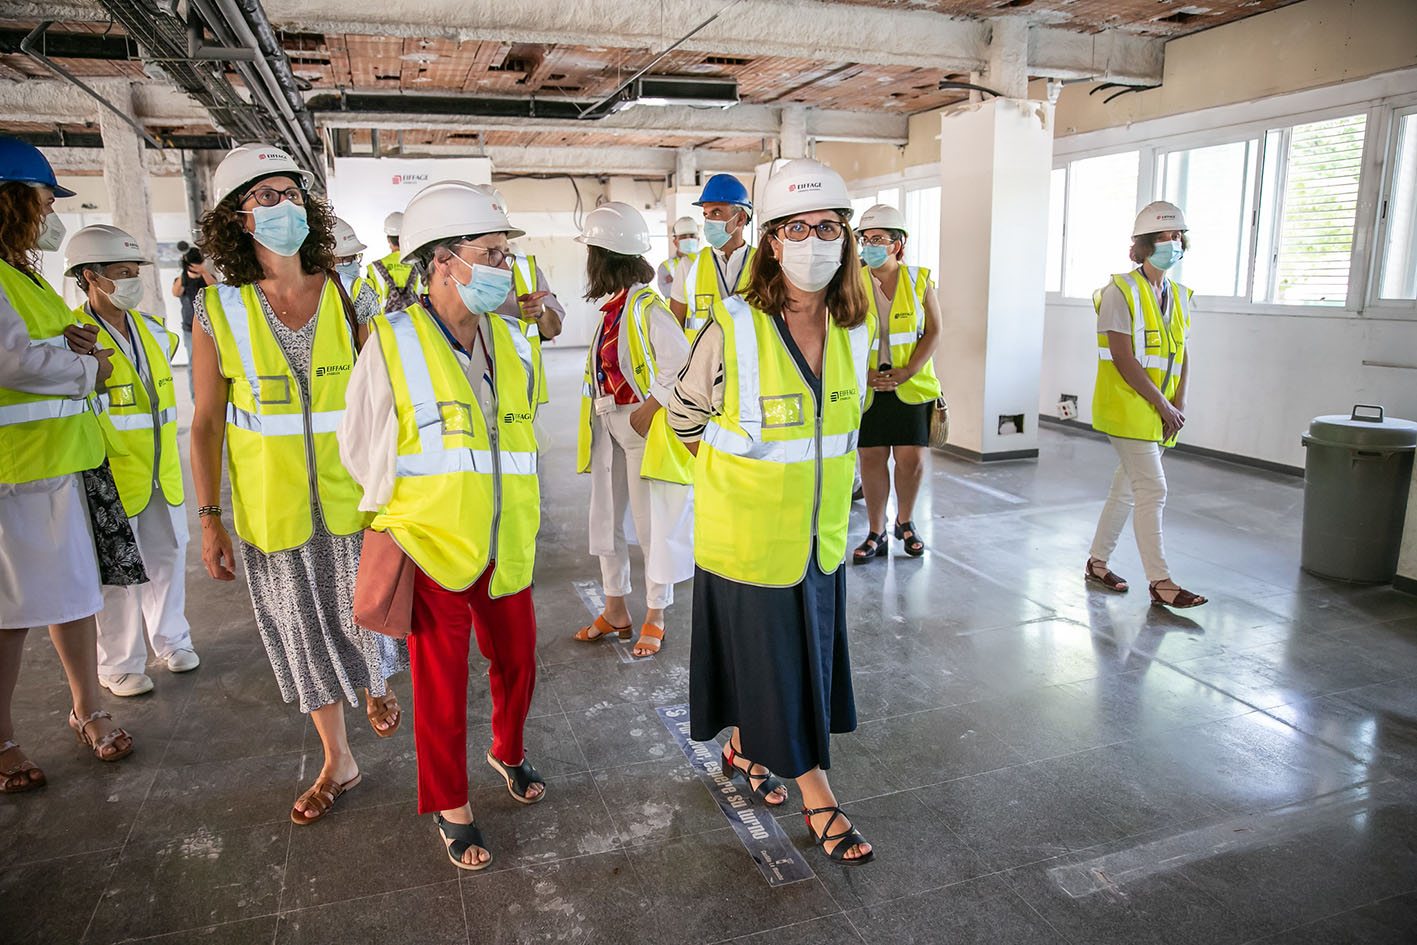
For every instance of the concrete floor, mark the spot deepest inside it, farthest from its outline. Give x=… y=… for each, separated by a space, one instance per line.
x=1037 y=761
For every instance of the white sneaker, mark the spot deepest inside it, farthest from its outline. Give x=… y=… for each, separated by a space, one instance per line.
x=183 y=660
x=127 y=684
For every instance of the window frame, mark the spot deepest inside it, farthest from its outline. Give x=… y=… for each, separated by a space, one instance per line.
x=1400 y=107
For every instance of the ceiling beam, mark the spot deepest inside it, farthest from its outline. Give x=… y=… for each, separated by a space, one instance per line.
x=51 y=101
x=604 y=161
x=1111 y=55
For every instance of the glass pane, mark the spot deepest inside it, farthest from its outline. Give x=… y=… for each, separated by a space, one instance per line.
x=890 y=197
x=1399 y=279
x=1057 y=190
x=860 y=205
x=1269 y=208
x=1102 y=203
x=922 y=222
x=1210 y=185
x=1315 y=235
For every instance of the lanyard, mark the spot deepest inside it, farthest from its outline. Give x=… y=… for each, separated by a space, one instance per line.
x=456 y=345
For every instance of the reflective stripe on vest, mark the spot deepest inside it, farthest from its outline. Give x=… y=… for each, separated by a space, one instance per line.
x=703 y=287
x=54 y=409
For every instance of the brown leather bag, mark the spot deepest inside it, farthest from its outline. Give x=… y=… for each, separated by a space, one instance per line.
x=383 y=588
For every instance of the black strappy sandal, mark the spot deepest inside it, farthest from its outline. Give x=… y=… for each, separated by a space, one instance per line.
x=458 y=839
x=913 y=545
x=519 y=778
x=848 y=838
x=876 y=545
x=766 y=782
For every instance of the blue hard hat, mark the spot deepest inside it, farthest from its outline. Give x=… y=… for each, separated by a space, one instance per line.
x=22 y=161
x=724 y=188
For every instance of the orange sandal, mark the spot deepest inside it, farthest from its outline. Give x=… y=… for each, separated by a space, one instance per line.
x=651 y=637
x=384 y=709
x=601 y=628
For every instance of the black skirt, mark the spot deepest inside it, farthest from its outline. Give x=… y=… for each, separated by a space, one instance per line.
x=889 y=422
x=774 y=662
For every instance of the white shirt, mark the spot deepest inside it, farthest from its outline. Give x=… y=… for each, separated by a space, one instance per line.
x=730 y=269
x=368 y=432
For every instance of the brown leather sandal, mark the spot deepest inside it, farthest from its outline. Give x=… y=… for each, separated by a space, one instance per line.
x=23 y=775
x=600 y=628
x=1180 y=597
x=651 y=638
x=384 y=709
x=1099 y=572
x=320 y=798
x=116 y=744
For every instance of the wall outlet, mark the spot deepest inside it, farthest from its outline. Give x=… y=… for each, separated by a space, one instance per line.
x=1067 y=406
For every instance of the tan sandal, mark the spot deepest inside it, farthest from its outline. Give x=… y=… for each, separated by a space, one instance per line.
x=23 y=775
x=320 y=798
x=651 y=637
x=110 y=747
x=384 y=709
x=600 y=628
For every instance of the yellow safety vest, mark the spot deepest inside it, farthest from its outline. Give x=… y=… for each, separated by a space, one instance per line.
x=464 y=496
x=400 y=272
x=43 y=435
x=907 y=325
x=1117 y=409
x=527 y=279
x=280 y=447
x=775 y=468
x=142 y=437
x=665 y=459
x=702 y=279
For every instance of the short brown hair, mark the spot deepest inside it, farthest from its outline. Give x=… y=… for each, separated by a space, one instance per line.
x=1145 y=244
x=21 y=221
x=847 y=302
x=226 y=242
x=609 y=272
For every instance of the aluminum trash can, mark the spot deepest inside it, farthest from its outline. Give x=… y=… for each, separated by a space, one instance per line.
x=1356 y=476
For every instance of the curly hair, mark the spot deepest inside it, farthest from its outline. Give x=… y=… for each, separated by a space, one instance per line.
x=228 y=244
x=22 y=216
x=847 y=302
x=1144 y=245
x=608 y=272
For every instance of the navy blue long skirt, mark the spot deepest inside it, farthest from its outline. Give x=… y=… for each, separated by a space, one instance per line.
x=772 y=661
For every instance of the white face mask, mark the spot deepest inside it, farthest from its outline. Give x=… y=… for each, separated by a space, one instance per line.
x=126 y=294
x=810 y=264
x=52 y=235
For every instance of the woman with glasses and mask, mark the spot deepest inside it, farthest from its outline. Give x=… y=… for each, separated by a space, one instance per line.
x=439 y=434
x=1143 y=372
x=719 y=270
x=49 y=573
x=770 y=402
x=272 y=362
x=903 y=384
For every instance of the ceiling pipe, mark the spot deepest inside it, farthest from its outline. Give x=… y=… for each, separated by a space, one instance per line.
x=278 y=65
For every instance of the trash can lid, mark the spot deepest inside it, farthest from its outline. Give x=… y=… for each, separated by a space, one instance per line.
x=1365 y=428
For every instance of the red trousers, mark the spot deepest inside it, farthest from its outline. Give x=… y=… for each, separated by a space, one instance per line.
x=438 y=655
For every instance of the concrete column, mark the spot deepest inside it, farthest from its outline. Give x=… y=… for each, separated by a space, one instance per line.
x=1007 y=69
x=995 y=160
x=679 y=202
x=793 y=132
x=686 y=169
x=126 y=174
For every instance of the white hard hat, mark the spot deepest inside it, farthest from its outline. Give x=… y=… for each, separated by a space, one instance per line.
x=1158 y=217
x=250 y=162
x=496 y=195
x=101 y=243
x=802 y=186
x=393 y=224
x=617 y=227
x=882 y=217
x=447 y=209
x=346 y=242
x=686 y=226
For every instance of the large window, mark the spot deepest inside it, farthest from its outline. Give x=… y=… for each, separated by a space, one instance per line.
x=1399 y=215
x=1101 y=204
x=922 y=221
x=1215 y=187
x=1057 y=197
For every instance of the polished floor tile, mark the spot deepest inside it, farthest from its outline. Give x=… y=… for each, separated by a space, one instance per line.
x=1036 y=760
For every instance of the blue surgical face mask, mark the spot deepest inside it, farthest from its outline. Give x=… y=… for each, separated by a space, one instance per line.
x=716 y=232
x=688 y=246
x=874 y=256
x=486 y=290
x=1166 y=255
x=349 y=271
x=281 y=229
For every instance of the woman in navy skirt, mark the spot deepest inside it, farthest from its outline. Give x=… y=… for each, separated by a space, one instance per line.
x=770 y=403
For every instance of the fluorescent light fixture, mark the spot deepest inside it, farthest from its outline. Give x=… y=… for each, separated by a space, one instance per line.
x=663 y=90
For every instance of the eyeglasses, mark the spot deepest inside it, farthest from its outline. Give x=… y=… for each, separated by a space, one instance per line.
x=357 y=258
x=269 y=196
x=876 y=241
x=827 y=231
x=495 y=257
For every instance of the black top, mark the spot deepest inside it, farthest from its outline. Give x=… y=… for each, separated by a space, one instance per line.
x=190 y=289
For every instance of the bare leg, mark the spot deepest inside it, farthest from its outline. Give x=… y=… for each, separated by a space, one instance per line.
x=616 y=613
x=339 y=764
x=77 y=645
x=463 y=815
x=654 y=616
x=909 y=470
x=12 y=648
x=816 y=792
x=875 y=483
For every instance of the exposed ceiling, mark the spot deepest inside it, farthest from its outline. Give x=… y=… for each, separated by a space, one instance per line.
x=333 y=62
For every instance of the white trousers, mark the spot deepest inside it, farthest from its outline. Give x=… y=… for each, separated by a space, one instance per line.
x=662 y=513
x=161 y=531
x=1138 y=489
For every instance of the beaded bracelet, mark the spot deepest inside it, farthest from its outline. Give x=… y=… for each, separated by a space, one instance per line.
x=205 y=510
